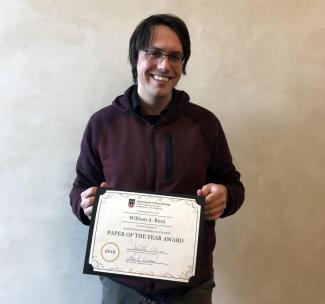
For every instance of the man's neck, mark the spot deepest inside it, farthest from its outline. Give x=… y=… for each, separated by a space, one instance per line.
x=154 y=106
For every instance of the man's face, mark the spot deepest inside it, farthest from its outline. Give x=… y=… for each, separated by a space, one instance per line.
x=156 y=80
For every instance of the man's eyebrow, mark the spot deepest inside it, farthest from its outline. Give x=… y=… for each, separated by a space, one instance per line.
x=155 y=49
x=161 y=50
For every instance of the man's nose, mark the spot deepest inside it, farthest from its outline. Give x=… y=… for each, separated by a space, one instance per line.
x=164 y=62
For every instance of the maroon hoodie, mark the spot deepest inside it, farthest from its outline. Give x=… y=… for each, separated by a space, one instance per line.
x=184 y=150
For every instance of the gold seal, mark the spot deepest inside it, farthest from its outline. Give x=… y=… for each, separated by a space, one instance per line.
x=110 y=252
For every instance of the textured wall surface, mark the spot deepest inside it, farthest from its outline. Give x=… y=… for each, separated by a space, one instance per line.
x=259 y=65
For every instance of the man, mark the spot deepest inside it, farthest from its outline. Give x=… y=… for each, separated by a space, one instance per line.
x=153 y=139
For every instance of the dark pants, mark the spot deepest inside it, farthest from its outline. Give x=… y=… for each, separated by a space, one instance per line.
x=114 y=293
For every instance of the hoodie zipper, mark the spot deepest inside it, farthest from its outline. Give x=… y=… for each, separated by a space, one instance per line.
x=169 y=158
x=153 y=157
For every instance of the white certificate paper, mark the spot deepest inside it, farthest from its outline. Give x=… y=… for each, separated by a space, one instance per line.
x=144 y=235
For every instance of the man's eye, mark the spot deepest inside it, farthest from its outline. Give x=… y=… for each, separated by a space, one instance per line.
x=175 y=57
x=155 y=54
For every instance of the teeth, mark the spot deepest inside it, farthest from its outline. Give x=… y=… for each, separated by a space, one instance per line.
x=160 y=78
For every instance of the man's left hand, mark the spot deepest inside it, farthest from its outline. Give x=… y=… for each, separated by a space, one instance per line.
x=216 y=196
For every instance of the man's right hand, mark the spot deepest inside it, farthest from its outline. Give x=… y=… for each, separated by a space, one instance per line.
x=88 y=199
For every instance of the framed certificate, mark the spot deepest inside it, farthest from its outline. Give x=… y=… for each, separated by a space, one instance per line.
x=145 y=235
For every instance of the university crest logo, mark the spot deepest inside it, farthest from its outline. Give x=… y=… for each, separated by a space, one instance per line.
x=131 y=202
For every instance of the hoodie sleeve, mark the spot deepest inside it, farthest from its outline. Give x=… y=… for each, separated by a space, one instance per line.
x=88 y=169
x=223 y=171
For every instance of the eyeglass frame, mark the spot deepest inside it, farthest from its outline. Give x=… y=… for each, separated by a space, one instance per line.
x=172 y=57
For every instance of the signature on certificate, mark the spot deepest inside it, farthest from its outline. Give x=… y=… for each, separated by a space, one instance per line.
x=145 y=254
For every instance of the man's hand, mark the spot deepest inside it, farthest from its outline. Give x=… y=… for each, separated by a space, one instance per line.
x=216 y=196
x=88 y=199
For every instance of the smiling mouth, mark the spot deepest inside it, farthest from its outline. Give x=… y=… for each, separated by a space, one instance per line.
x=160 y=77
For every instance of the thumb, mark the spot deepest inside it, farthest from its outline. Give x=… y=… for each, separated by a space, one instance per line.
x=104 y=184
x=205 y=190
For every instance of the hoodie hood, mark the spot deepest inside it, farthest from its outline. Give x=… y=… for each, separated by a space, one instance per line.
x=124 y=102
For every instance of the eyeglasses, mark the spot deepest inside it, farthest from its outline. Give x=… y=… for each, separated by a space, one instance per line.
x=156 y=56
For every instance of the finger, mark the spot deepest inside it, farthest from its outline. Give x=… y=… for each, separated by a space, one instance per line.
x=205 y=190
x=215 y=209
x=87 y=202
x=213 y=217
x=88 y=192
x=104 y=184
x=213 y=197
x=214 y=213
x=218 y=192
x=88 y=211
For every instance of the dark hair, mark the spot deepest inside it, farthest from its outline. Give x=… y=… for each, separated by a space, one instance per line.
x=142 y=36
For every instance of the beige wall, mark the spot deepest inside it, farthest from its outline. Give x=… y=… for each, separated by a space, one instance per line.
x=259 y=65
